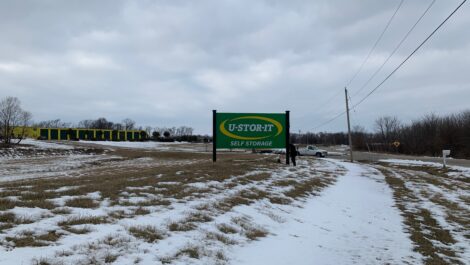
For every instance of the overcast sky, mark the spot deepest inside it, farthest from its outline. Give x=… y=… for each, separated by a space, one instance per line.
x=169 y=63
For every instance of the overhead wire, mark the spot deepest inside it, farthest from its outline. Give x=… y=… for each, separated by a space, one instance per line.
x=409 y=56
x=396 y=68
x=376 y=43
x=394 y=50
x=369 y=54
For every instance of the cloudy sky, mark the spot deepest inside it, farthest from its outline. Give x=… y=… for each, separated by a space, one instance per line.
x=169 y=63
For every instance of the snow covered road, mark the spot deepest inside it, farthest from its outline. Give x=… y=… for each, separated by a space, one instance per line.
x=352 y=222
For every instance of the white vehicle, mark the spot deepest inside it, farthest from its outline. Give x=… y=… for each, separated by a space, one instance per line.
x=312 y=150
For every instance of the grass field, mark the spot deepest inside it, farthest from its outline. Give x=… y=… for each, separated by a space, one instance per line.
x=91 y=204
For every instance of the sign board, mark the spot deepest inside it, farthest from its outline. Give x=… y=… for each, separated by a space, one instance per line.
x=396 y=144
x=250 y=130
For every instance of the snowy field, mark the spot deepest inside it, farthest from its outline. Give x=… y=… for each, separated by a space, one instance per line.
x=82 y=205
x=162 y=146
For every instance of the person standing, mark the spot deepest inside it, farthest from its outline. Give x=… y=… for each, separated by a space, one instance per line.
x=292 y=153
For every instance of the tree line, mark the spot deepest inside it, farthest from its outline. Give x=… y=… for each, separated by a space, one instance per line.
x=12 y=115
x=428 y=135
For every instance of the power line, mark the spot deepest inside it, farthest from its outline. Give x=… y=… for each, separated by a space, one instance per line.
x=409 y=56
x=375 y=44
x=330 y=120
x=398 y=67
x=368 y=55
x=396 y=48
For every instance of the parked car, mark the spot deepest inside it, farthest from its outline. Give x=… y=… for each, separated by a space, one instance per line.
x=312 y=150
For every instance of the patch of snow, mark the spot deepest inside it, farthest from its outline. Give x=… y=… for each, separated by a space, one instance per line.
x=46 y=144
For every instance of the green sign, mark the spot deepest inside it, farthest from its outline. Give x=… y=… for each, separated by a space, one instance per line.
x=250 y=130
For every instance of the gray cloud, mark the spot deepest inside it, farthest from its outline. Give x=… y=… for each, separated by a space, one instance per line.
x=172 y=62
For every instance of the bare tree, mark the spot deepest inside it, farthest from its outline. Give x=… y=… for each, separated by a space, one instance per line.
x=148 y=130
x=53 y=124
x=102 y=123
x=128 y=124
x=85 y=124
x=388 y=127
x=117 y=126
x=11 y=117
x=25 y=121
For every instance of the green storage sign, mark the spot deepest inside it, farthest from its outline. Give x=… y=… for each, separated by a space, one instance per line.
x=250 y=130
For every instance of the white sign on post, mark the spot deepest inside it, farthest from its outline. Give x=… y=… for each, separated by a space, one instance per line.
x=445 y=153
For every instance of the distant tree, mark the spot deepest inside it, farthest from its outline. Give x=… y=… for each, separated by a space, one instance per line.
x=155 y=135
x=128 y=124
x=118 y=126
x=25 y=121
x=388 y=127
x=57 y=123
x=85 y=124
x=166 y=134
x=102 y=123
x=11 y=117
x=148 y=130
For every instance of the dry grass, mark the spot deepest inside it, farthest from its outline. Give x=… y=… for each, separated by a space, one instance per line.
x=220 y=237
x=149 y=234
x=80 y=220
x=110 y=258
x=255 y=233
x=280 y=200
x=227 y=229
x=190 y=251
x=181 y=226
x=141 y=211
x=29 y=239
x=251 y=231
x=79 y=231
x=423 y=227
x=61 y=211
x=309 y=187
x=198 y=217
x=83 y=202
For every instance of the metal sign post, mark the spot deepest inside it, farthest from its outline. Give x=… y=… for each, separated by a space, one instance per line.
x=214 y=136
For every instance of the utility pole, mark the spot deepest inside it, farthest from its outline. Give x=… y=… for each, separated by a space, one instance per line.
x=349 y=125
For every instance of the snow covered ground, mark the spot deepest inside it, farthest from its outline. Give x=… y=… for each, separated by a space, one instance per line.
x=149 y=207
x=353 y=222
x=162 y=146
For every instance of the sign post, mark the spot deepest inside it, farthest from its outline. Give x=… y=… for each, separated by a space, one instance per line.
x=250 y=131
x=287 y=137
x=445 y=153
x=214 y=136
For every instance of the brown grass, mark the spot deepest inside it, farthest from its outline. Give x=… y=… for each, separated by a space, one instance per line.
x=227 y=229
x=110 y=258
x=28 y=239
x=190 y=251
x=149 y=234
x=181 y=226
x=82 y=203
x=79 y=231
x=308 y=187
x=220 y=237
x=80 y=220
x=141 y=211
x=251 y=231
x=423 y=228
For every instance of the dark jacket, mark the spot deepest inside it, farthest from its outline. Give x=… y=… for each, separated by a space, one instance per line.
x=292 y=150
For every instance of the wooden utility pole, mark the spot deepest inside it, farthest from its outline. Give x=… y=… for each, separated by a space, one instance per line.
x=349 y=126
